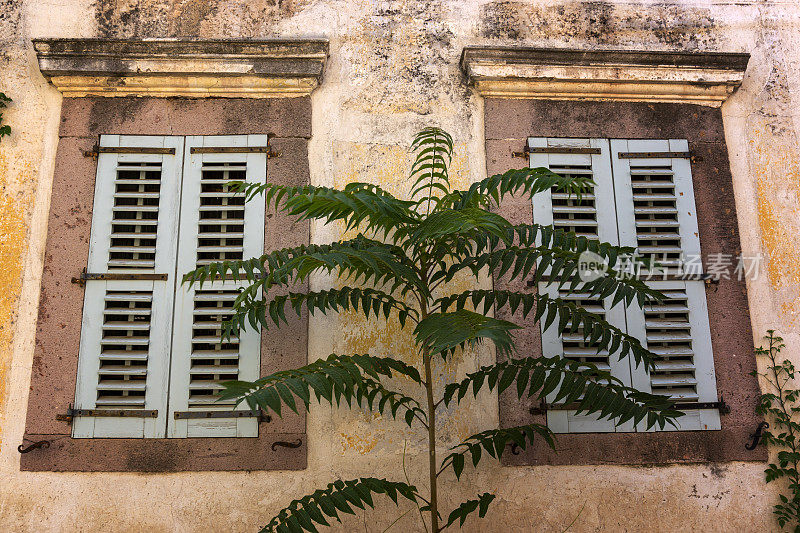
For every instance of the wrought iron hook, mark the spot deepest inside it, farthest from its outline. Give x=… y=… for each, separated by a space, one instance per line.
x=756 y=436
x=285 y=444
x=38 y=444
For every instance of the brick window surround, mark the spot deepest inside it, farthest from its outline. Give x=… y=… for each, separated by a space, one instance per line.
x=508 y=125
x=83 y=120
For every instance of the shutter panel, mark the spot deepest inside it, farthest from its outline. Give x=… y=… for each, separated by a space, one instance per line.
x=124 y=350
x=216 y=225
x=594 y=218
x=656 y=211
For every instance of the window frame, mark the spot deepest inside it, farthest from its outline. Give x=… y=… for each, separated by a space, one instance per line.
x=508 y=124
x=282 y=443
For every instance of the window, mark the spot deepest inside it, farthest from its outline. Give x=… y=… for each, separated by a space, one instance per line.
x=644 y=201
x=152 y=350
x=183 y=138
x=513 y=113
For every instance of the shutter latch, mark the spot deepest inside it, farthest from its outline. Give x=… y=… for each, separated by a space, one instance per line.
x=284 y=444
x=757 y=436
x=36 y=445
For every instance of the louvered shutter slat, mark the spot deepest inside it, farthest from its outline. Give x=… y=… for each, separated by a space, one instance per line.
x=591 y=217
x=124 y=350
x=216 y=225
x=135 y=215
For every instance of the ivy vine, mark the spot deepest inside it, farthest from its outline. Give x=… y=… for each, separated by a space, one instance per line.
x=779 y=406
x=5 y=129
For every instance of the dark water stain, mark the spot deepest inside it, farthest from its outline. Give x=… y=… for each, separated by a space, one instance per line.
x=599 y=22
x=191 y=18
x=407 y=57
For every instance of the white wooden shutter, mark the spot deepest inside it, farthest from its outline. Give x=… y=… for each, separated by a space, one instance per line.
x=593 y=217
x=656 y=212
x=124 y=350
x=216 y=224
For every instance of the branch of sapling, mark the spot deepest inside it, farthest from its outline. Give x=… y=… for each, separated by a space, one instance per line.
x=442 y=232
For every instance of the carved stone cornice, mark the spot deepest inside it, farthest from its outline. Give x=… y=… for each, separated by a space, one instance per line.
x=177 y=67
x=706 y=78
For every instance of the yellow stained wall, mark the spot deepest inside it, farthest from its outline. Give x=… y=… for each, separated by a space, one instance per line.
x=393 y=69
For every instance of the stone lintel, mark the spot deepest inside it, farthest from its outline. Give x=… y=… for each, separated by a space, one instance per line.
x=706 y=78
x=179 y=67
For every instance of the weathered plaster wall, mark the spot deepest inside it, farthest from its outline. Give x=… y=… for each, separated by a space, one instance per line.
x=393 y=69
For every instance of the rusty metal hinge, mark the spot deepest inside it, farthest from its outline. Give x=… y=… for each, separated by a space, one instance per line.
x=243 y=276
x=523 y=154
x=186 y=415
x=113 y=413
x=96 y=150
x=654 y=155
x=271 y=154
x=691 y=156
x=721 y=406
x=117 y=276
x=527 y=150
x=708 y=279
x=543 y=407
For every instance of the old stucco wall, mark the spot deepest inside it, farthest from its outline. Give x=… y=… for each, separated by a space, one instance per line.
x=393 y=69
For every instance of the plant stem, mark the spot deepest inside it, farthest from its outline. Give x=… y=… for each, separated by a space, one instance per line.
x=430 y=194
x=396 y=520
x=405 y=473
x=574 y=519
x=426 y=358
x=431 y=443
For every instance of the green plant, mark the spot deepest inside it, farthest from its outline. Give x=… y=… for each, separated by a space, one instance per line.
x=780 y=406
x=5 y=129
x=395 y=268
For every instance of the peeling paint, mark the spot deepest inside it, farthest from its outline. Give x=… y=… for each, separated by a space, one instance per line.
x=777 y=171
x=361 y=443
x=12 y=246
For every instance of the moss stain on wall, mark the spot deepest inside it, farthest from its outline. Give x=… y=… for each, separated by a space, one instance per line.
x=599 y=22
